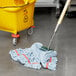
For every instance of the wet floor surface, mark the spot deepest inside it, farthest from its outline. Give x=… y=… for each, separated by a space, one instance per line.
x=64 y=43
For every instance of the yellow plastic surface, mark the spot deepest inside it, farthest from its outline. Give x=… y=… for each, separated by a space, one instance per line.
x=16 y=19
x=6 y=3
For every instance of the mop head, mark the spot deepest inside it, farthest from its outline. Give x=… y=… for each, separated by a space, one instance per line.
x=35 y=57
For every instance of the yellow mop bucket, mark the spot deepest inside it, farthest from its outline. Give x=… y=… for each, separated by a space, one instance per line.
x=16 y=15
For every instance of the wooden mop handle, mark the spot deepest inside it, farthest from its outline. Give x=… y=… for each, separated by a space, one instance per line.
x=62 y=14
x=64 y=11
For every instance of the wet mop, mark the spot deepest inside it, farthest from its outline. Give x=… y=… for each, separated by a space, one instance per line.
x=37 y=54
x=55 y=31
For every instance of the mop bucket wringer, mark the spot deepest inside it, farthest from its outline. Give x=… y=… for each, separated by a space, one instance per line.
x=16 y=15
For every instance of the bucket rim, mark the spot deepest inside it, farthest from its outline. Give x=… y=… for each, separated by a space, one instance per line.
x=18 y=6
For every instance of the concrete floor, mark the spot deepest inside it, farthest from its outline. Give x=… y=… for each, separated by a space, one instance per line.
x=64 y=43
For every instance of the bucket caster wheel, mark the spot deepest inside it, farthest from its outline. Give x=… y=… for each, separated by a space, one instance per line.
x=30 y=30
x=14 y=41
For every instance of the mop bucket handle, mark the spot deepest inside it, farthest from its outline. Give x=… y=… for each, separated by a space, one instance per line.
x=26 y=2
x=17 y=2
x=16 y=8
